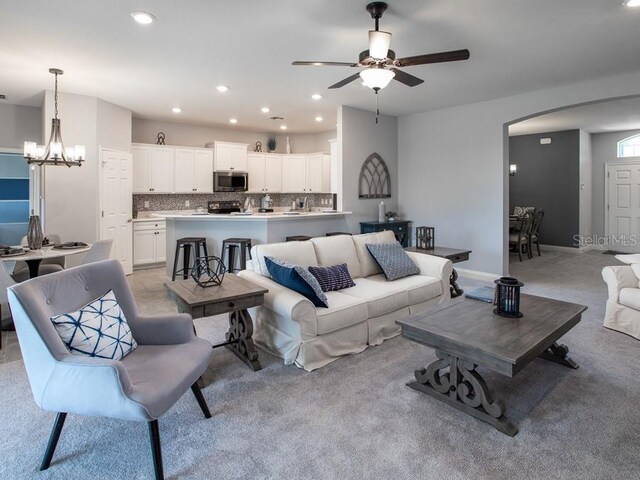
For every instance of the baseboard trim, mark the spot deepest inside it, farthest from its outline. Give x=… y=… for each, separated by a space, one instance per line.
x=557 y=248
x=477 y=275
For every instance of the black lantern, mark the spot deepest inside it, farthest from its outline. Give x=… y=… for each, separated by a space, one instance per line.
x=208 y=271
x=507 y=298
x=425 y=238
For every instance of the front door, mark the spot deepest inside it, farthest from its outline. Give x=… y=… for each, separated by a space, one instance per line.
x=116 y=204
x=623 y=207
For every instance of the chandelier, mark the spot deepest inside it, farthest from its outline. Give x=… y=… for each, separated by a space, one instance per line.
x=55 y=153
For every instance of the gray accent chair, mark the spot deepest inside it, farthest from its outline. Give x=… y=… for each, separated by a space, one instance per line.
x=142 y=386
x=101 y=250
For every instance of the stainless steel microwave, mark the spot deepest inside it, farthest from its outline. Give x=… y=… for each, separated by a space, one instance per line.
x=231 y=181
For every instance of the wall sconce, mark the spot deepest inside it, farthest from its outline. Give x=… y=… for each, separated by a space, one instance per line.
x=512 y=169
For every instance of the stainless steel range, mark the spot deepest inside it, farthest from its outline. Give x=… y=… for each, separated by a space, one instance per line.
x=223 y=207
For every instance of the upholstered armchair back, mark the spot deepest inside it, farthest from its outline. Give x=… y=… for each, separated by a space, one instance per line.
x=34 y=302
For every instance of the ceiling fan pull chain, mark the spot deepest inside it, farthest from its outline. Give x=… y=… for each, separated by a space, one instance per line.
x=377 y=105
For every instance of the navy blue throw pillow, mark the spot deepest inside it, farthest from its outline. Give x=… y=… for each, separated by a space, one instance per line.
x=297 y=279
x=333 y=278
x=393 y=260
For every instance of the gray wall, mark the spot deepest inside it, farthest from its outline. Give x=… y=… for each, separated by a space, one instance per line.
x=18 y=124
x=548 y=177
x=454 y=164
x=145 y=131
x=360 y=137
x=604 y=149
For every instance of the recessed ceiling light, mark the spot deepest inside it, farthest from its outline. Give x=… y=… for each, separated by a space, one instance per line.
x=145 y=18
x=316 y=96
x=265 y=109
x=283 y=127
x=176 y=109
x=222 y=88
x=233 y=120
x=319 y=118
x=631 y=3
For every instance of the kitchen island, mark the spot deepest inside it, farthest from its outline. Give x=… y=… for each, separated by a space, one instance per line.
x=259 y=227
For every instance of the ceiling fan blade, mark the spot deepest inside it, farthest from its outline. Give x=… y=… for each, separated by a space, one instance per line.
x=407 y=79
x=440 y=57
x=379 y=43
x=346 y=81
x=326 y=64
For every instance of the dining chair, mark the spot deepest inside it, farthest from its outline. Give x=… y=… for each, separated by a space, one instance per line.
x=142 y=386
x=520 y=238
x=534 y=237
x=48 y=265
x=101 y=250
x=6 y=281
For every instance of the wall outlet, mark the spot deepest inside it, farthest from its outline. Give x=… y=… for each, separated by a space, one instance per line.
x=146 y=204
x=186 y=203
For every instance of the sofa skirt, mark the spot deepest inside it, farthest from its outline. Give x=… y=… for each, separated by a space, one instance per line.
x=622 y=319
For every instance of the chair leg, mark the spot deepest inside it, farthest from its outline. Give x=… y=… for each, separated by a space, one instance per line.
x=156 y=449
x=520 y=251
x=538 y=247
x=201 y=401
x=53 y=440
x=175 y=263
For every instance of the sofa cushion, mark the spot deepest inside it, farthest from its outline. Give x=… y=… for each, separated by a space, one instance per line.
x=332 y=278
x=367 y=263
x=336 y=250
x=344 y=311
x=298 y=279
x=99 y=329
x=296 y=253
x=419 y=288
x=393 y=260
x=630 y=297
x=381 y=297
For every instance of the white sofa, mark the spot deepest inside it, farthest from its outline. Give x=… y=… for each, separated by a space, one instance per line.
x=623 y=304
x=290 y=326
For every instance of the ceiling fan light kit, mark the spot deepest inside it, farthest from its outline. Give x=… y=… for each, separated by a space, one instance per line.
x=376 y=78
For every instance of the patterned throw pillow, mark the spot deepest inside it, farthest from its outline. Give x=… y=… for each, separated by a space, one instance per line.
x=333 y=278
x=393 y=260
x=298 y=279
x=99 y=329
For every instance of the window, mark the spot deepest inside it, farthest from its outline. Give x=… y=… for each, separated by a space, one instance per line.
x=629 y=147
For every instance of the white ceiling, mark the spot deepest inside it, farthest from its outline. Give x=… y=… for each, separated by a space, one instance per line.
x=613 y=116
x=516 y=46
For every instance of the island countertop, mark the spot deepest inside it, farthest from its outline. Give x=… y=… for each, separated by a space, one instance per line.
x=243 y=217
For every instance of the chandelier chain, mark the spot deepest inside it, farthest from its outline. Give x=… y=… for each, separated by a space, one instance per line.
x=55 y=97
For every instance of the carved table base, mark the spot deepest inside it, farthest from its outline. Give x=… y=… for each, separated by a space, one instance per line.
x=239 y=339
x=559 y=354
x=456 y=382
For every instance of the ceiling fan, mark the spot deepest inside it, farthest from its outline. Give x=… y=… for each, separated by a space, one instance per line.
x=380 y=63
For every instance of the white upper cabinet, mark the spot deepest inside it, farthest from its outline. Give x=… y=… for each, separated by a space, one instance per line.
x=273 y=173
x=152 y=169
x=184 y=170
x=326 y=173
x=141 y=172
x=193 y=170
x=294 y=173
x=313 y=166
x=230 y=156
x=203 y=163
x=256 y=171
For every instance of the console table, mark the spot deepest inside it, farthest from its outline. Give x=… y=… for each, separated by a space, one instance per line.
x=455 y=255
x=399 y=227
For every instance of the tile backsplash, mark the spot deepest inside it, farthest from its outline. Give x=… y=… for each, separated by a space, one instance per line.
x=158 y=202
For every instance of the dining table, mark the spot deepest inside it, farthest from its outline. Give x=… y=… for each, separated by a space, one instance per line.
x=33 y=258
x=515 y=222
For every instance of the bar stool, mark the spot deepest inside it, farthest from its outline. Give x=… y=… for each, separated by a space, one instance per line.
x=333 y=234
x=231 y=247
x=185 y=244
x=297 y=238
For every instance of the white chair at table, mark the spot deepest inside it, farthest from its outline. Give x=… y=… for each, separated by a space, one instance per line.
x=48 y=265
x=6 y=281
x=101 y=250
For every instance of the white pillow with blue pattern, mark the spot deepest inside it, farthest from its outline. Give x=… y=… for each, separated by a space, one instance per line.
x=99 y=329
x=393 y=260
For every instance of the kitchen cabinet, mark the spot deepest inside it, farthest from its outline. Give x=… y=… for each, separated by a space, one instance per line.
x=326 y=173
x=313 y=173
x=294 y=172
x=230 y=156
x=152 y=169
x=265 y=172
x=149 y=242
x=193 y=170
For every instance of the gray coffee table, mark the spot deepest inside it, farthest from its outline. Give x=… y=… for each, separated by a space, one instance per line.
x=466 y=334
